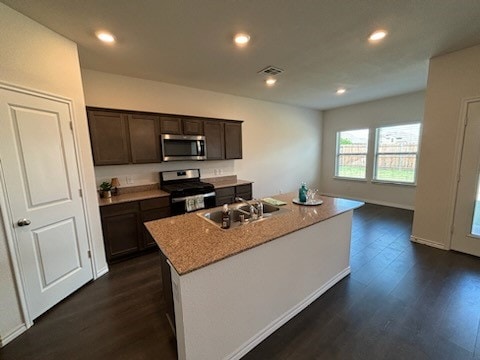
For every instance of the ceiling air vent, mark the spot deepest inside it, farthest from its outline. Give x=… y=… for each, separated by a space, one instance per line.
x=271 y=71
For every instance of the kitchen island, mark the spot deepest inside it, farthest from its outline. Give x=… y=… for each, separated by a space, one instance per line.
x=232 y=288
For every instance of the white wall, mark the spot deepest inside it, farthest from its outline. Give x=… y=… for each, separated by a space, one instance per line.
x=34 y=57
x=452 y=79
x=281 y=143
x=389 y=111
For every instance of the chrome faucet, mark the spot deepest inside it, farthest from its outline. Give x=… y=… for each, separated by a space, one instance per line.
x=259 y=208
x=255 y=212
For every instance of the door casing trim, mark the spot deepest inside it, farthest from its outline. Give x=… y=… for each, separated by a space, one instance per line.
x=458 y=162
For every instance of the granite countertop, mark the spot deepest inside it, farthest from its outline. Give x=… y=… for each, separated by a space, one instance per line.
x=226 y=181
x=144 y=192
x=134 y=196
x=190 y=242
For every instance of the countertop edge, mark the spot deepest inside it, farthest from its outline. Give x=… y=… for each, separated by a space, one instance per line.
x=187 y=269
x=131 y=197
x=275 y=237
x=151 y=194
x=225 y=184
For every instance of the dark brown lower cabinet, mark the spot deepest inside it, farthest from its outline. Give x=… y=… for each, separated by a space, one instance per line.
x=244 y=191
x=227 y=195
x=123 y=230
x=153 y=209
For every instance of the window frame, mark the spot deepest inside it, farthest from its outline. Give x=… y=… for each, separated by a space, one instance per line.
x=376 y=154
x=338 y=154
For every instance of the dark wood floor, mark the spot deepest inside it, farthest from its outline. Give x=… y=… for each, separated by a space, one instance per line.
x=402 y=301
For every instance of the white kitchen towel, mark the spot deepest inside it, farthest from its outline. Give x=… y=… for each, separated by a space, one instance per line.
x=190 y=204
x=199 y=202
x=193 y=203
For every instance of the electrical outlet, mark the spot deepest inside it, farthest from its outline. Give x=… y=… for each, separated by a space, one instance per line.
x=280 y=191
x=129 y=180
x=220 y=171
x=215 y=171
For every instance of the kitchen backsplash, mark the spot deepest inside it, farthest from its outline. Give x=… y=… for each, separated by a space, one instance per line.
x=145 y=174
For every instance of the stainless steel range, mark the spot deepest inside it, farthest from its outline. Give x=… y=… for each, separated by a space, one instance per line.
x=187 y=192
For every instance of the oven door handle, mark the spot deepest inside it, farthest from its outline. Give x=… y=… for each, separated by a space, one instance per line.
x=180 y=199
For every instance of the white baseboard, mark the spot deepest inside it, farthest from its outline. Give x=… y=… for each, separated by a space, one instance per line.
x=4 y=340
x=101 y=272
x=376 y=202
x=427 y=242
x=285 y=317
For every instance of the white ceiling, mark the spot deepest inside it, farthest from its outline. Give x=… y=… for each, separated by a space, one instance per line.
x=321 y=44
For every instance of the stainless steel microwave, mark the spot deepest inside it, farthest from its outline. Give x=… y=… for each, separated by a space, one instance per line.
x=183 y=147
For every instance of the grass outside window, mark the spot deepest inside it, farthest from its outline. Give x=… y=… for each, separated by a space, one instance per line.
x=351 y=157
x=396 y=153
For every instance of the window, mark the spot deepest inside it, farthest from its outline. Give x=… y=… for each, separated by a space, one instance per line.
x=352 y=148
x=396 y=153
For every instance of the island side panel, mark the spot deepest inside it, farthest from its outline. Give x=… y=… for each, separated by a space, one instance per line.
x=228 y=307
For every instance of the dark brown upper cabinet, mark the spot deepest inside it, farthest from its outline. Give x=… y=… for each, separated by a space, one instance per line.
x=170 y=125
x=130 y=137
x=214 y=139
x=192 y=127
x=181 y=126
x=144 y=144
x=109 y=136
x=223 y=139
x=123 y=137
x=233 y=140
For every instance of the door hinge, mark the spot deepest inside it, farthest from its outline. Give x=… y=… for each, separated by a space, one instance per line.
x=80 y=192
x=452 y=229
x=89 y=254
x=71 y=126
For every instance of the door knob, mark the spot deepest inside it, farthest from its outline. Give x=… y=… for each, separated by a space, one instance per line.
x=24 y=222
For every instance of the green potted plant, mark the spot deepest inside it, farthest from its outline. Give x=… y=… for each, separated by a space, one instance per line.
x=105 y=189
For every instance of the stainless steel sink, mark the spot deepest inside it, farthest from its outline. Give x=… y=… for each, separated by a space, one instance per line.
x=267 y=208
x=237 y=211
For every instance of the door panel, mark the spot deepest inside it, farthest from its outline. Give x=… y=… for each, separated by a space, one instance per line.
x=40 y=170
x=464 y=239
x=55 y=258
x=45 y=179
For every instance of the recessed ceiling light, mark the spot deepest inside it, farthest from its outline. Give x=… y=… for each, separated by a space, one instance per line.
x=241 y=39
x=377 y=35
x=341 y=91
x=105 y=37
x=270 y=81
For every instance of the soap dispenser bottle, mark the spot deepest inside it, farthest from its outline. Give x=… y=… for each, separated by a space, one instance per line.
x=225 y=217
x=302 y=193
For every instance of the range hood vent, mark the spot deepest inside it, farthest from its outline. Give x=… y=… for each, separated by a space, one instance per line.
x=271 y=71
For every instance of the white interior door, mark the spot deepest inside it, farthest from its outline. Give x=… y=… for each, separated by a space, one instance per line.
x=41 y=177
x=466 y=226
